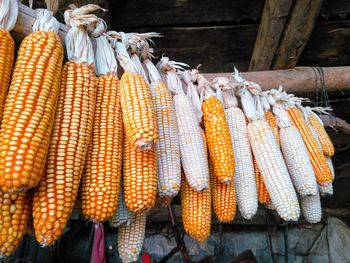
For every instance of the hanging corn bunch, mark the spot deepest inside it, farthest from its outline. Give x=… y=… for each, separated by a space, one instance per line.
x=295 y=154
x=8 y=17
x=192 y=148
x=101 y=179
x=30 y=105
x=57 y=191
x=269 y=157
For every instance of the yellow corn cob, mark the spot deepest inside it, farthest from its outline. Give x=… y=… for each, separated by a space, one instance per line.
x=55 y=196
x=101 y=179
x=263 y=194
x=139 y=177
x=218 y=139
x=138 y=112
x=130 y=239
x=223 y=198
x=326 y=143
x=322 y=171
x=29 y=111
x=271 y=120
x=14 y=212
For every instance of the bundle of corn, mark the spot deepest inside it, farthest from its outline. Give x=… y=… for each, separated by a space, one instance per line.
x=167 y=147
x=192 y=147
x=8 y=17
x=311 y=208
x=139 y=117
x=268 y=156
x=56 y=194
x=123 y=216
x=30 y=105
x=101 y=179
x=295 y=154
x=244 y=177
x=130 y=239
x=318 y=161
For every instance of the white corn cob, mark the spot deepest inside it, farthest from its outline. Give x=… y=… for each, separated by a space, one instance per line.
x=192 y=150
x=123 y=216
x=130 y=239
x=311 y=208
x=270 y=160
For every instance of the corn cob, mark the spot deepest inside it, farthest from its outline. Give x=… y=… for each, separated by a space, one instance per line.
x=295 y=154
x=167 y=147
x=271 y=120
x=326 y=143
x=311 y=208
x=140 y=178
x=8 y=17
x=192 y=147
x=318 y=161
x=101 y=179
x=30 y=106
x=56 y=194
x=263 y=194
x=130 y=239
x=270 y=161
x=123 y=216
x=136 y=100
x=218 y=138
x=14 y=213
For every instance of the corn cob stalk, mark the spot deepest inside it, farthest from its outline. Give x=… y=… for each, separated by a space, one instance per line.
x=14 y=213
x=311 y=208
x=139 y=117
x=130 y=239
x=270 y=160
x=318 y=161
x=30 y=106
x=192 y=147
x=140 y=178
x=295 y=154
x=101 y=179
x=8 y=17
x=167 y=147
x=244 y=177
x=123 y=216
x=56 y=194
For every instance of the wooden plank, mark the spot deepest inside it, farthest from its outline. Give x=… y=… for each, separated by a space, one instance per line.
x=146 y=13
x=272 y=23
x=296 y=33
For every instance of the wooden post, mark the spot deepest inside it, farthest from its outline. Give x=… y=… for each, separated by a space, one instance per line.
x=272 y=23
x=296 y=33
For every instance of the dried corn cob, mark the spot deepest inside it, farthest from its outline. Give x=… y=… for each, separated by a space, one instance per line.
x=271 y=120
x=101 y=179
x=295 y=154
x=140 y=178
x=130 y=239
x=311 y=208
x=192 y=151
x=8 y=17
x=30 y=106
x=167 y=147
x=318 y=161
x=14 y=213
x=270 y=160
x=263 y=194
x=56 y=194
x=123 y=216
x=138 y=112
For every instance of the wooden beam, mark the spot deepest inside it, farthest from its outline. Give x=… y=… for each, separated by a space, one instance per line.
x=272 y=23
x=299 y=80
x=296 y=33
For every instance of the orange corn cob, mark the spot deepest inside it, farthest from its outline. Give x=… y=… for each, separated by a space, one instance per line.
x=218 y=139
x=101 y=180
x=327 y=145
x=139 y=177
x=56 y=194
x=318 y=161
x=29 y=111
x=271 y=120
x=14 y=212
x=138 y=112
x=223 y=198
